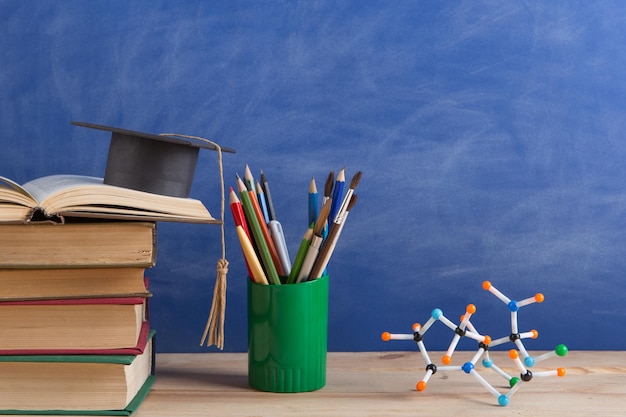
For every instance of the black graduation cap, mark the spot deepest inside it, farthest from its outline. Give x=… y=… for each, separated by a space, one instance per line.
x=153 y=163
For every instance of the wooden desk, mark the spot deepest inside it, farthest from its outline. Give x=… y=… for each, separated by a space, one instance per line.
x=383 y=384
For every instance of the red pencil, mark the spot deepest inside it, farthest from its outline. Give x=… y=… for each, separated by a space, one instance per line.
x=237 y=209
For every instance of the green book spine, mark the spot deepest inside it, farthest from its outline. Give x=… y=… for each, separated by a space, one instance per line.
x=115 y=359
x=131 y=408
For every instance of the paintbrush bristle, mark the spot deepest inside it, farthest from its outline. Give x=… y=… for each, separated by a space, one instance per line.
x=355 y=180
x=330 y=183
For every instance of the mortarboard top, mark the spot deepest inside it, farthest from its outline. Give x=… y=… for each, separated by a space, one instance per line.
x=152 y=163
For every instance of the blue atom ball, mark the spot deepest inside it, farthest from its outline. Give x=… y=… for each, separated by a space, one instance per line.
x=467 y=367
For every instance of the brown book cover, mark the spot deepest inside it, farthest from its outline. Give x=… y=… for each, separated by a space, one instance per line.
x=70 y=324
x=76 y=245
x=54 y=283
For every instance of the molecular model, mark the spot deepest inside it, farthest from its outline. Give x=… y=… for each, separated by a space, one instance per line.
x=520 y=357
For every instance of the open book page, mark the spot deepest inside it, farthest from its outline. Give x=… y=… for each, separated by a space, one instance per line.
x=79 y=195
x=56 y=196
x=10 y=191
x=101 y=211
x=44 y=187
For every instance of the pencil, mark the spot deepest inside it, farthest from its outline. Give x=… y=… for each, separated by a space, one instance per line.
x=237 y=210
x=268 y=197
x=257 y=273
x=240 y=220
x=259 y=238
x=299 y=259
x=248 y=179
x=331 y=241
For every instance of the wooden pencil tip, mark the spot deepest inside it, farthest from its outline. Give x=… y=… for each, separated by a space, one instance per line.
x=232 y=197
x=240 y=185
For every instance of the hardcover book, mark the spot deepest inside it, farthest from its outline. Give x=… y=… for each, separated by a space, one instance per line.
x=55 y=283
x=67 y=324
x=76 y=384
x=76 y=245
x=54 y=197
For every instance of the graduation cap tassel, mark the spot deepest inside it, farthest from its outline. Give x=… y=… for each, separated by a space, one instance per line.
x=214 y=329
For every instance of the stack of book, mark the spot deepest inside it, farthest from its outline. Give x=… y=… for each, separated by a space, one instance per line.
x=74 y=325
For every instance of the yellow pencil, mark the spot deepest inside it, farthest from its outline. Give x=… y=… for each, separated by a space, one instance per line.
x=257 y=233
x=253 y=261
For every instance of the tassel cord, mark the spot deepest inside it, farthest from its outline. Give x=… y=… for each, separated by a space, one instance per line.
x=214 y=329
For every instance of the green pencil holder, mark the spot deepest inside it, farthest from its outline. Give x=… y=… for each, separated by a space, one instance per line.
x=287 y=336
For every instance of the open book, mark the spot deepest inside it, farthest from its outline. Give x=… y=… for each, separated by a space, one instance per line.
x=55 y=197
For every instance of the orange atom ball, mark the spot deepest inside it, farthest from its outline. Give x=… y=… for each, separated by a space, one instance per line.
x=486 y=285
x=421 y=386
x=386 y=336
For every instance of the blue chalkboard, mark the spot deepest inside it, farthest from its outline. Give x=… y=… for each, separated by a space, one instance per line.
x=490 y=136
